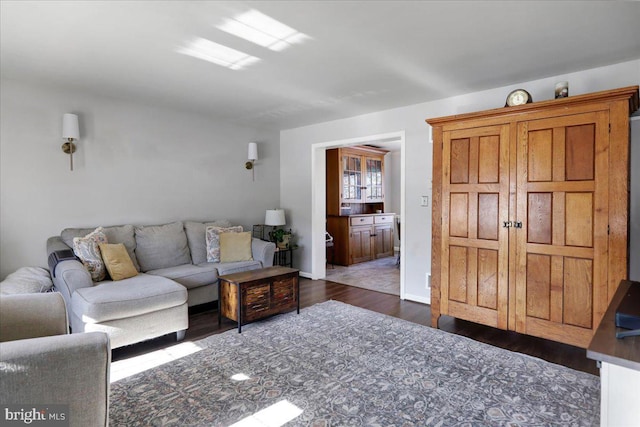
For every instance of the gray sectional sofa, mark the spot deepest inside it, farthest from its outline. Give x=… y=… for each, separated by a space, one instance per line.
x=173 y=275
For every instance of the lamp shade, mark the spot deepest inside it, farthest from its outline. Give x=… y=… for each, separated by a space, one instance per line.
x=274 y=217
x=70 y=126
x=253 y=151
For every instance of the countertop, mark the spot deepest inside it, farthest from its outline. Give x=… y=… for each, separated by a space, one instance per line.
x=369 y=214
x=605 y=346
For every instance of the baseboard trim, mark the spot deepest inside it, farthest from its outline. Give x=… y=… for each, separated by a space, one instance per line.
x=306 y=275
x=417 y=298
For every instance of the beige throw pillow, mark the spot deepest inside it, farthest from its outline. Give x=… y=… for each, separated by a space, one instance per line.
x=213 y=240
x=235 y=247
x=117 y=260
x=86 y=248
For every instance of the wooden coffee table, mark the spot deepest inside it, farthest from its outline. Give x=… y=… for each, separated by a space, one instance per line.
x=252 y=295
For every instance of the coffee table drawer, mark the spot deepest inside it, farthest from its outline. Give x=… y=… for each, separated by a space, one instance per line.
x=284 y=294
x=256 y=300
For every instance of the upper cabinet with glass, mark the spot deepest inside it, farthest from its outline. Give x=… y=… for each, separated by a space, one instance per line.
x=355 y=178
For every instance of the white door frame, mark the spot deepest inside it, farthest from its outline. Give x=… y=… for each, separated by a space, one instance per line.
x=319 y=205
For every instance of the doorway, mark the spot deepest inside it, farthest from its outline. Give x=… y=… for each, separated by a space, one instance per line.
x=318 y=220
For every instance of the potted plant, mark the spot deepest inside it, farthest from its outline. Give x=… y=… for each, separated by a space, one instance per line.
x=281 y=237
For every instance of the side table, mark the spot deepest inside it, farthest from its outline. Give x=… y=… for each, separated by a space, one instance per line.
x=253 y=295
x=284 y=257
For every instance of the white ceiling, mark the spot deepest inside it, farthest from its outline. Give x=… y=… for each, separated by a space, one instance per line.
x=360 y=56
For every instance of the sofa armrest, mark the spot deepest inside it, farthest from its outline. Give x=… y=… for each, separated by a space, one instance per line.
x=68 y=370
x=55 y=243
x=68 y=275
x=32 y=315
x=71 y=275
x=263 y=251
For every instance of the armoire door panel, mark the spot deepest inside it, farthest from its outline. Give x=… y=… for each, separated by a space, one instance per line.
x=487 y=264
x=539 y=286
x=539 y=218
x=489 y=152
x=540 y=155
x=579 y=219
x=580 y=147
x=459 y=215
x=458 y=274
x=488 y=216
x=578 y=292
x=459 y=161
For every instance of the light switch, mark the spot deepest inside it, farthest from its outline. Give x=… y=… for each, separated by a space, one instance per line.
x=424 y=201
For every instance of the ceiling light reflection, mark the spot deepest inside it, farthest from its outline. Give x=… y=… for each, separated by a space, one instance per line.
x=218 y=54
x=263 y=30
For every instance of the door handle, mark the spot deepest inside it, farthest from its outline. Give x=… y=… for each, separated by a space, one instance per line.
x=514 y=224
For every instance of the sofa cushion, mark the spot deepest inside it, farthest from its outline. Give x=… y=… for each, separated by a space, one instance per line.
x=161 y=246
x=117 y=261
x=87 y=249
x=235 y=247
x=115 y=234
x=213 y=240
x=137 y=295
x=237 y=267
x=196 y=237
x=189 y=275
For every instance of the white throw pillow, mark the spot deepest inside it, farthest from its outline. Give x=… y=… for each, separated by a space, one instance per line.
x=86 y=248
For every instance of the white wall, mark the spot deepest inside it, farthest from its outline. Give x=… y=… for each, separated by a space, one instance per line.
x=136 y=164
x=295 y=176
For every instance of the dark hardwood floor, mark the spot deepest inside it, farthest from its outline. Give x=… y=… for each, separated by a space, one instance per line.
x=203 y=321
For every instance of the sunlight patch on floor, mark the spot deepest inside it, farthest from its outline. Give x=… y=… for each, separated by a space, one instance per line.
x=275 y=415
x=134 y=365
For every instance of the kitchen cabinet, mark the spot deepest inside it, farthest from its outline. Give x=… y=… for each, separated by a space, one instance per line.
x=530 y=214
x=354 y=180
x=360 y=238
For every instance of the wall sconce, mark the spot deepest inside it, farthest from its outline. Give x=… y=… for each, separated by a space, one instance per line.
x=252 y=156
x=70 y=131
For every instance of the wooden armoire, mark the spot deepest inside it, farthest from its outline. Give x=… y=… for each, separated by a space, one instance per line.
x=530 y=214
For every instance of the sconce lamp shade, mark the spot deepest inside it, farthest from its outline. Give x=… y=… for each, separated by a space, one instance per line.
x=274 y=217
x=70 y=126
x=253 y=151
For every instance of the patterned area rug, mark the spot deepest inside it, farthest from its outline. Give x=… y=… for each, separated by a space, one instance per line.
x=339 y=365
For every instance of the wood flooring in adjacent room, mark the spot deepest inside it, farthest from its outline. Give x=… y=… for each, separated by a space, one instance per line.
x=382 y=275
x=203 y=321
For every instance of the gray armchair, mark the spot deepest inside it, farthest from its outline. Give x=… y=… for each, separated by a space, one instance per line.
x=42 y=364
